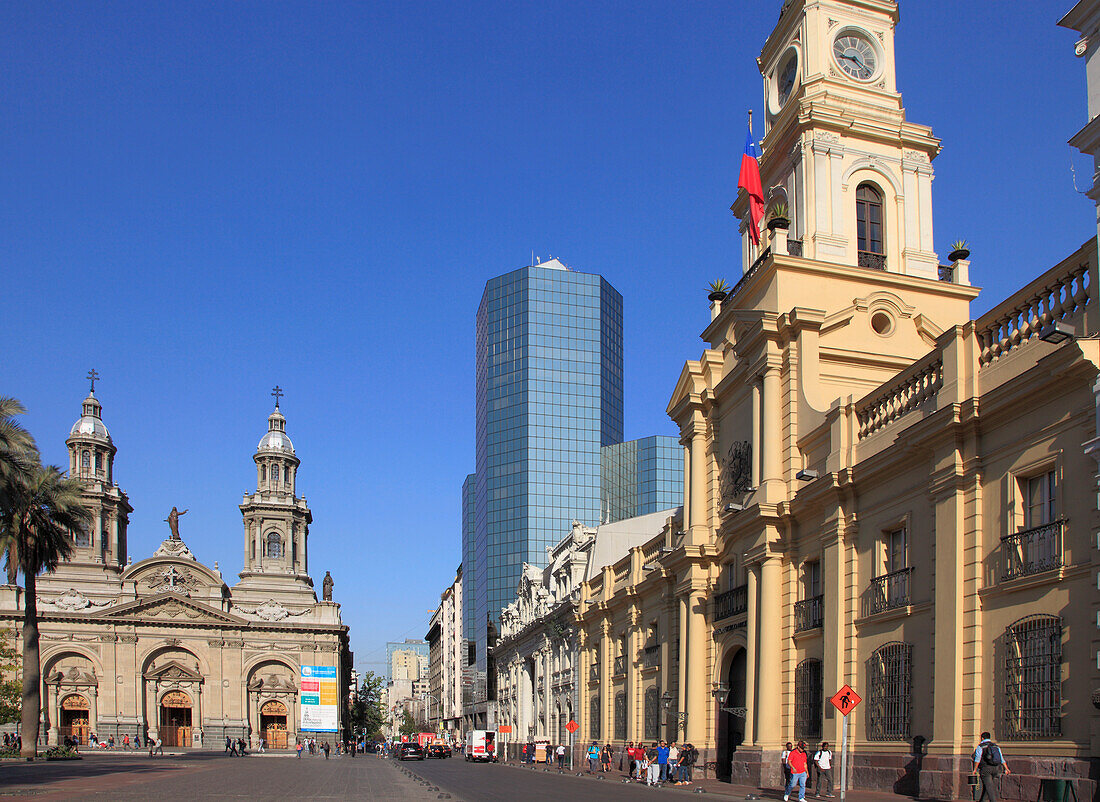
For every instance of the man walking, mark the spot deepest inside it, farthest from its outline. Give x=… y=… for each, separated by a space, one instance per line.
x=797 y=761
x=823 y=759
x=560 y=754
x=662 y=761
x=593 y=757
x=989 y=764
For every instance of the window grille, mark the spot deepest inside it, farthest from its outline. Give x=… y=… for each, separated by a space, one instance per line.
x=594 y=724
x=889 y=684
x=620 y=716
x=274 y=545
x=1033 y=678
x=83 y=537
x=651 y=714
x=808 y=697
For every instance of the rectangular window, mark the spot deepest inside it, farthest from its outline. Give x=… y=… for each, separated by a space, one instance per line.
x=1040 y=493
x=897 y=556
x=811 y=579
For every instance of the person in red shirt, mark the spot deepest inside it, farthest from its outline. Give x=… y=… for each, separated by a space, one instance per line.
x=797 y=761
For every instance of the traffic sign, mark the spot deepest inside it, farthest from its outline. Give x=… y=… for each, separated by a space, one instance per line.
x=846 y=700
x=572 y=726
x=504 y=729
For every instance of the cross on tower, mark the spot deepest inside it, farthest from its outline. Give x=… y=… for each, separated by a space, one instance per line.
x=92 y=376
x=278 y=393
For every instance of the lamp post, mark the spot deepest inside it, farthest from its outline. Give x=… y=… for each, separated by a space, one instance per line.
x=666 y=703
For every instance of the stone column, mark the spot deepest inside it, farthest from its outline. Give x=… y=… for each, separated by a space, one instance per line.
x=93 y=709
x=53 y=735
x=682 y=668
x=772 y=434
x=697 y=685
x=750 y=655
x=697 y=493
x=196 y=722
x=769 y=732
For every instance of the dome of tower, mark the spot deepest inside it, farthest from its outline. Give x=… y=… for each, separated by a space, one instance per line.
x=276 y=438
x=90 y=424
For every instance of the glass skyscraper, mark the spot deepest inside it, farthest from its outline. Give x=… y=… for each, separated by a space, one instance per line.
x=549 y=397
x=641 y=476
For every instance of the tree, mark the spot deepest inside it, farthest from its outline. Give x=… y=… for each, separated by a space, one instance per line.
x=408 y=725
x=367 y=713
x=11 y=686
x=37 y=522
x=18 y=458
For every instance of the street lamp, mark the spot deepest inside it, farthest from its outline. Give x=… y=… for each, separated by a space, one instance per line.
x=666 y=703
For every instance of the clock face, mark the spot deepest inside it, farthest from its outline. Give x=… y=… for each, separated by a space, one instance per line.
x=787 y=74
x=855 y=55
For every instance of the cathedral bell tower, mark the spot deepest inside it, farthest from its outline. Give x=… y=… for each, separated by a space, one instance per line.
x=855 y=175
x=276 y=521
x=91 y=462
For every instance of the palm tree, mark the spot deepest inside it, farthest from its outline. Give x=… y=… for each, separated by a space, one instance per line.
x=45 y=509
x=18 y=456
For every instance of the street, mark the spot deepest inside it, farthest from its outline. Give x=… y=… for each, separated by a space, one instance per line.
x=211 y=775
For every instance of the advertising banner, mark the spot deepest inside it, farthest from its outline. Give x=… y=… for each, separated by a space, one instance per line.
x=318 y=698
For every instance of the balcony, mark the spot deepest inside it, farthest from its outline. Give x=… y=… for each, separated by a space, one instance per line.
x=808 y=614
x=651 y=657
x=1032 y=551
x=731 y=602
x=872 y=261
x=620 y=665
x=888 y=592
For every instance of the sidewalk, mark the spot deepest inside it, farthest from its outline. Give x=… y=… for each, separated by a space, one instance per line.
x=710 y=787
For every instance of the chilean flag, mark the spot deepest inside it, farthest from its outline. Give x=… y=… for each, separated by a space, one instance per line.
x=749 y=181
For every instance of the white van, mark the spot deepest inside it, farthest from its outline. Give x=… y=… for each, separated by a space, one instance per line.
x=481 y=745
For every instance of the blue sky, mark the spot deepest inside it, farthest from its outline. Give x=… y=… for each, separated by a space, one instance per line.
x=205 y=199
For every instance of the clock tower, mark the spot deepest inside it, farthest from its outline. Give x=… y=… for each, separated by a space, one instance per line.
x=855 y=175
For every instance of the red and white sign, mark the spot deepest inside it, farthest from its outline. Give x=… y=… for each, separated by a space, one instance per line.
x=846 y=700
x=572 y=726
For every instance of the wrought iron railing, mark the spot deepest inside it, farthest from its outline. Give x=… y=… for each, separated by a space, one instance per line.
x=947 y=273
x=749 y=273
x=889 y=591
x=808 y=614
x=872 y=261
x=731 y=602
x=620 y=665
x=651 y=657
x=1032 y=551
x=794 y=247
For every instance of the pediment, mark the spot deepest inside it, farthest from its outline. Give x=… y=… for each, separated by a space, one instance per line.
x=173 y=671
x=169 y=607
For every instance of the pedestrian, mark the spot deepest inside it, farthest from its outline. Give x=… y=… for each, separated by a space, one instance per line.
x=560 y=754
x=593 y=757
x=110 y=742
x=673 y=764
x=688 y=758
x=989 y=764
x=783 y=761
x=605 y=758
x=126 y=742
x=298 y=747
x=630 y=759
x=823 y=761
x=653 y=769
x=228 y=744
x=157 y=748
x=326 y=749
x=137 y=741
x=662 y=761
x=797 y=761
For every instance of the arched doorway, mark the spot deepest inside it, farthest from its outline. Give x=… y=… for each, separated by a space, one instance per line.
x=175 y=719
x=732 y=715
x=273 y=723
x=74 y=718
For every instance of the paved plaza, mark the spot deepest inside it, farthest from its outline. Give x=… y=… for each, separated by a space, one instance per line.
x=208 y=775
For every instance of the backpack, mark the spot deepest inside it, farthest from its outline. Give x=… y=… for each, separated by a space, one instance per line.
x=991 y=755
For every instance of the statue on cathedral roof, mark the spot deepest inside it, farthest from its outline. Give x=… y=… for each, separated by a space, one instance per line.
x=326 y=587
x=173 y=520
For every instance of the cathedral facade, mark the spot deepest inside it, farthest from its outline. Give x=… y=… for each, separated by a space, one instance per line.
x=164 y=646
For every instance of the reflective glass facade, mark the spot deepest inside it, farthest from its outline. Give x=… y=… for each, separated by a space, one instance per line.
x=549 y=396
x=641 y=476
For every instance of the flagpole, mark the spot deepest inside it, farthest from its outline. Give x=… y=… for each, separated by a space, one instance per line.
x=750 y=121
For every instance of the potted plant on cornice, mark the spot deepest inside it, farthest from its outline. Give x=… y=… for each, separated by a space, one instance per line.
x=958 y=251
x=718 y=290
x=779 y=217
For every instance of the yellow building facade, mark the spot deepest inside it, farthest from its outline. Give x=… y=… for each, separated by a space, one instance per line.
x=879 y=490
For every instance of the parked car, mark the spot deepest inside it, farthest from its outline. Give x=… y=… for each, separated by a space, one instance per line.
x=439 y=750
x=410 y=750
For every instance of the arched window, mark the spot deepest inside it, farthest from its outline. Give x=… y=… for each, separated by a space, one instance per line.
x=82 y=537
x=86 y=460
x=274 y=473
x=273 y=545
x=1033 y=678
x=808 y=692
x=98 y=462
x=620 y=716
x=869 y=227
x=889 y=692
x=263 y=473
x=594 y=724
x=652 y=712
